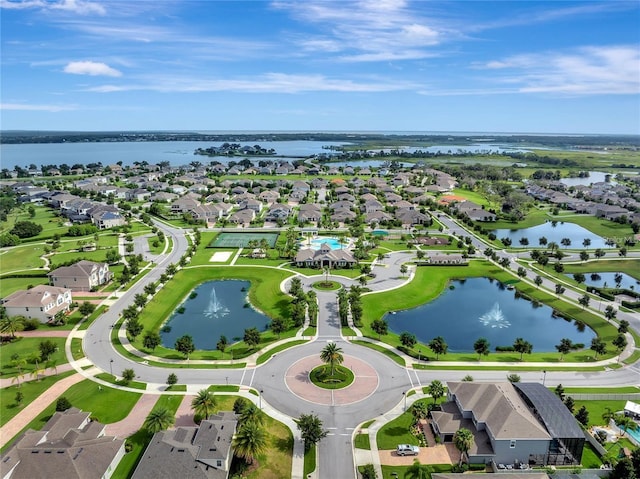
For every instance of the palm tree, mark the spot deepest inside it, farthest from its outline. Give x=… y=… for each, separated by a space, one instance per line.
x=158 y=420
x=249 y=441
x=331 y=354
x=625 y=423
x=11 y=324
x=608 y=415
x=436 y=390
x=463 y=440
x=418 y=471
x=204 y=403
x=251 y=413
x=419 y=410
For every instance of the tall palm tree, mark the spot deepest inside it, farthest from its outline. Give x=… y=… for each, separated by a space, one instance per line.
x=250 y=441
x=204 y=403
x=331 y=354
x=158 y=420
x=463 y=440
x=418 y=471
x=608 y=415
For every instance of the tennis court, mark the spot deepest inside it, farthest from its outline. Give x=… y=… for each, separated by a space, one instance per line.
x=241 y=240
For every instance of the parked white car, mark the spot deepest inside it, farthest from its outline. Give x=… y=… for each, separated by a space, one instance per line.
x=407 y=450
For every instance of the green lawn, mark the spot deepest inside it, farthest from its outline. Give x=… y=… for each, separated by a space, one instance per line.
x=628 y=266
x=597 y=408
x=310 y=461
x=397 y=431
x=27 y=348
x=264 y=357
x=590 y=457
x=381 y=349
x=362 y=441
x=11 y=285
x=112 y=379
x=30 y=390
x=21 y=258
x=45 y=217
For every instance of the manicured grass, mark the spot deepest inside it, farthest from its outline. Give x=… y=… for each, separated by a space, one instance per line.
x=45 y=217
x=11 y=285
x=347 y=331
x=87 y=322
x=397 y=431
x=27 y=348
x=112 y=379
x=76 y=349
x=603 y=390
x=381 y=349
x=310 y=460
x=264 y=357
x=30 y=390
x=223 y=388
x=480 y=367
x=177 y=388
x=322 y=377
x=310 y=331
x=597 y=408
x=21 y=258
x=362 y=441
x=139 y=442
x=345 y=272
x=590 y=457
x=326 y=285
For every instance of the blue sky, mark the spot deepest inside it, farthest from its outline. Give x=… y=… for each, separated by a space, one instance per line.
x=383 y=65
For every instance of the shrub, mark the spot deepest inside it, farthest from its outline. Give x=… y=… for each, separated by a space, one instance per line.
x=62 y=404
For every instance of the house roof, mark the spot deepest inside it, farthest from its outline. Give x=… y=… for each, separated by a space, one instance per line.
x=35 y=297
x=500 y=407
x=69 y=446
x=189 y=452
x=81 y=268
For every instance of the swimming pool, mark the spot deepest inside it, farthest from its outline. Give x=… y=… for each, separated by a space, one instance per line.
x=634 y=434
x=334 y=243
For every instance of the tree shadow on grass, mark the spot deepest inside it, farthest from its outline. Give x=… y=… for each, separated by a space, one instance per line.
x=284 y=444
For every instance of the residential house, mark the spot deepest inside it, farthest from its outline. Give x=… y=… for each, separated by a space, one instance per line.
x=412 y=217
x=81 y=276
x=105 y=218
x=41 y=302
x=70 y=445
x=138 y=194
x=200 y=452
x=243 y=216
x=309 y=212
x=278 y=211
x=511 y=423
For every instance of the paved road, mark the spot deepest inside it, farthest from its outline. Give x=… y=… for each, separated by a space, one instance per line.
x=335 y=458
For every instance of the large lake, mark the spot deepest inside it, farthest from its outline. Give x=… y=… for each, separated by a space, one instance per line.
x=153 y=152
x=218 y=308
x=479 y=307
x=576 y=233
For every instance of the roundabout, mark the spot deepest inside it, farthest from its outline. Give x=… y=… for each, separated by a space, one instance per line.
x=365 y=382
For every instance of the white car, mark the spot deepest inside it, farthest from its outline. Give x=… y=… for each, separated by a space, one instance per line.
x=407 y=450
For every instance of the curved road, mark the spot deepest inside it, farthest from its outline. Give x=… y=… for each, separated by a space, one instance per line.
x=335 y=451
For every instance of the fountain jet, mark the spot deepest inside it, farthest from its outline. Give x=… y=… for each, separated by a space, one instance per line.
x=495 y=318
x=215 y=309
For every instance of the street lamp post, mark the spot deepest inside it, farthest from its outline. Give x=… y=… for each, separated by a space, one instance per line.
x=111 y=366
x=405 y=400
x=261 y=391
x=544 y=376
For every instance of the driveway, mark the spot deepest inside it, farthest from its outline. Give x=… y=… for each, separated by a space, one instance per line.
x=440 y=454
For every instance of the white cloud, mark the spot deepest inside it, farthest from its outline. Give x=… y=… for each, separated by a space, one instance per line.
x=91 y=68
x=30 y=107
x=268 y=83
x=585 y=71
x=81 y=7
x=366 y=30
